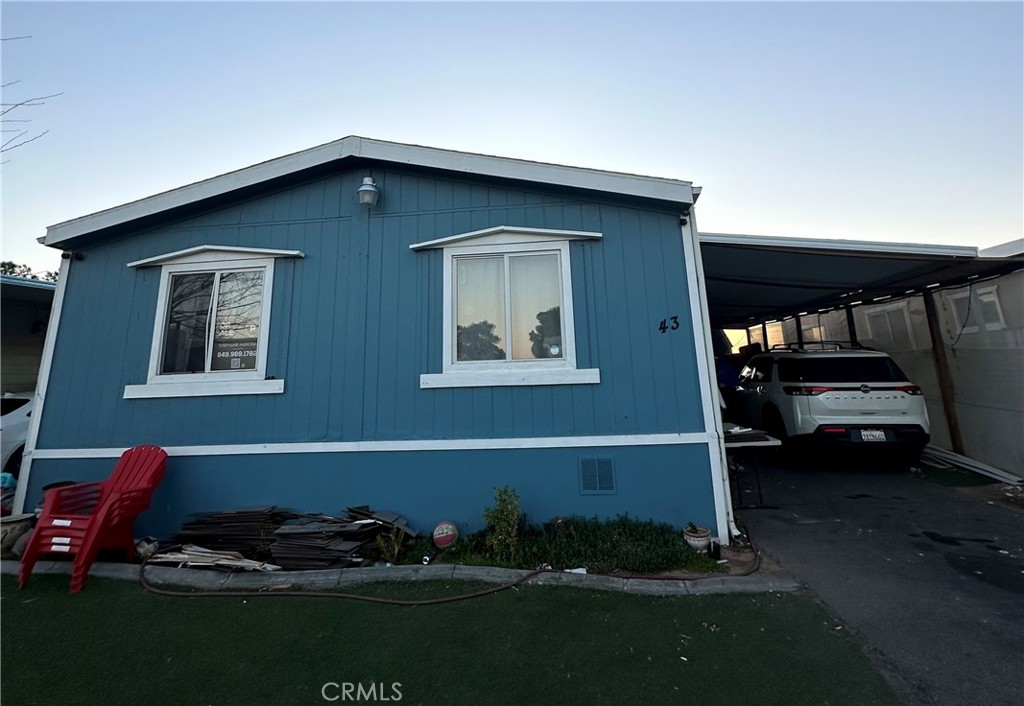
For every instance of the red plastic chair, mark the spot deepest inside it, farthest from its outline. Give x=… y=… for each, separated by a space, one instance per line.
x=82 y=519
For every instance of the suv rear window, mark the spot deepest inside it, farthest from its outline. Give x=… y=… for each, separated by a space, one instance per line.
x=840 y=369
x=9 y=404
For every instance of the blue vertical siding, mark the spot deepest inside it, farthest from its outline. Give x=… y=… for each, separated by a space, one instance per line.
x=664 y=483
x=355 y=322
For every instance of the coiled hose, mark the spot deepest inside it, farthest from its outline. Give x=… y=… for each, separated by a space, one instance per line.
x=144 y=582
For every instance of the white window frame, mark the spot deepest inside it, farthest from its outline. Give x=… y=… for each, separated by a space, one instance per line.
x=504 y=240
x=990 y=294
x=215 y=260
x=884 y=309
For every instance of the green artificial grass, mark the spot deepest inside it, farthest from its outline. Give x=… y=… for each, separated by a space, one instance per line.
x=116 y=644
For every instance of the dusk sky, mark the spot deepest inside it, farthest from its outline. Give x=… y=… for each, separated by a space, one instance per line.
x=889 y=122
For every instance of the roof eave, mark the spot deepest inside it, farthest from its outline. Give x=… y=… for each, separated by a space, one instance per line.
x=670 y=190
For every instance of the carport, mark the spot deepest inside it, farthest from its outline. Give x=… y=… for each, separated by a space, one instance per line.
x=888 y=552
x=25 y=311
x=797 y=290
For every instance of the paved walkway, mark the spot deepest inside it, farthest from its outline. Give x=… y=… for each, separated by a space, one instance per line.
x=929 y=578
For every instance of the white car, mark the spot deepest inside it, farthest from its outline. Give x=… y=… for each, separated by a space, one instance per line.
x=851 y=398
x=15 y=411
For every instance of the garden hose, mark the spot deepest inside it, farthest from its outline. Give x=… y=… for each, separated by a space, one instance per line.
x=144 y=582
x=329 y=594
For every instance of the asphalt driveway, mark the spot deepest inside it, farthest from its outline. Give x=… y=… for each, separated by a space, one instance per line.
x=929 y=578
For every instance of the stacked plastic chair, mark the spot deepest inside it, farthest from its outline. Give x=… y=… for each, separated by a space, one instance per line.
x=79 y=520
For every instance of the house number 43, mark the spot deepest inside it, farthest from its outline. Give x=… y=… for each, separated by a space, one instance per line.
x=669 y=324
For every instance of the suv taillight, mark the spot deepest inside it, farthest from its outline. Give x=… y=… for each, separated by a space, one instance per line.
x=806 y=391
x=909 y=389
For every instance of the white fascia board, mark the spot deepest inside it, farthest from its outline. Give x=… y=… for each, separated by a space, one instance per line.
x=215 y=186
x=865 y=246
x=213 y=251
x=1010 y=249
x=538 y=234
x=524 y=170
x=672 y=190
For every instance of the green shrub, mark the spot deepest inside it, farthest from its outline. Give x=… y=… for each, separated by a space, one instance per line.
x=622 y=544
x=503 y=523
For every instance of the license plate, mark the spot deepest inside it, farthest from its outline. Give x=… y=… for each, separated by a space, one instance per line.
x=872 y=435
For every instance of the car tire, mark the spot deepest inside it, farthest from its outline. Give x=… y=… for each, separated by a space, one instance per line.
x=772 y=424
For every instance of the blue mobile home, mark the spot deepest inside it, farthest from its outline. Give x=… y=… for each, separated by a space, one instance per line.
x=371 y=322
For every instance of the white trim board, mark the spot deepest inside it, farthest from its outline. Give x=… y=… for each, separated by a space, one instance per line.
x=511 y=378
x=213 y=253
x=672 y=190
x=701 y=319
x=206 y=388
x=41 y=385
x=508 y=235
x=546 y=442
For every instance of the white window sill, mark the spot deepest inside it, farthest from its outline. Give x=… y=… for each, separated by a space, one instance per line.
x=203 y=389
x=491 y=378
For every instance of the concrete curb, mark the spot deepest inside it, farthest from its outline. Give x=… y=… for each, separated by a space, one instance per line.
x=330 y=579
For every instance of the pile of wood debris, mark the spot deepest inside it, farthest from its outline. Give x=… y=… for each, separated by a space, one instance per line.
x=287 y=539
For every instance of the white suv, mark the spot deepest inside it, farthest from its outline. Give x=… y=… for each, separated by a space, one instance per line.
x=856 y=398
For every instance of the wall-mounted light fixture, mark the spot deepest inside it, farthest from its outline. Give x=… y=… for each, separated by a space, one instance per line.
x=368 y=192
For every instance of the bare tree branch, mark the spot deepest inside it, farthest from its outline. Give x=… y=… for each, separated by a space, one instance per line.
x=26 y=102
x=33 y=139
x=19 y=135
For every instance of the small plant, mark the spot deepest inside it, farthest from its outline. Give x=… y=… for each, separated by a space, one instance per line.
x=390 y=545
x=697 y=536
x=503 y=521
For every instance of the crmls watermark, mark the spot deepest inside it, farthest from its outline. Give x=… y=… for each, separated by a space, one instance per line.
x=349 y=691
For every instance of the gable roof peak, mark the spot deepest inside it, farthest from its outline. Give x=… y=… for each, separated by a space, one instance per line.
x=356 y=147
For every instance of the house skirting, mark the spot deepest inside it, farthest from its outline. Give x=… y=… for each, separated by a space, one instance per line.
x=669 y=483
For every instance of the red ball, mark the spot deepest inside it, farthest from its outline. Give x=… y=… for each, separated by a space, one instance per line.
x=445 y=534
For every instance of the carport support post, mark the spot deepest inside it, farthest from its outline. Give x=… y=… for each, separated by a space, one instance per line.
x=851 y=326
x=942 y=370
x=764 y=336
x=799 y=331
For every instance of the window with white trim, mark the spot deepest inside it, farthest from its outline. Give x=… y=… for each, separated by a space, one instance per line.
x=890 y=327
x=212 y=324
x=508 y=309
x=983 y=308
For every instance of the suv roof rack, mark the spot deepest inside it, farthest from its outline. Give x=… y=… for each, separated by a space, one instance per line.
x=820 y=346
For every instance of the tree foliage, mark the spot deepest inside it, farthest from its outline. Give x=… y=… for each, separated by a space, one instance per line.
x=547 y=333
x=11 y=268
x=479 y=342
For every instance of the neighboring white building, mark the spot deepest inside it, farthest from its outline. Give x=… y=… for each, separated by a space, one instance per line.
x=982 y=326
x=24 y=313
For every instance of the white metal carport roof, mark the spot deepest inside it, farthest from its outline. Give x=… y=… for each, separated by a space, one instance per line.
x=752 y=278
